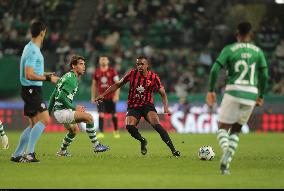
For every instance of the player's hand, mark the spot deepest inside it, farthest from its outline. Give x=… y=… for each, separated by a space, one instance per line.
x=167 y=111
x=99 y=99
x=54 y=79
x=80 y=108
x=259 y=102
x=93 y=100
x=211 y=98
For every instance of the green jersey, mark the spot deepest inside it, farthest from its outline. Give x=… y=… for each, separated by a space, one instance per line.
x=243 y=62
x=64 y=92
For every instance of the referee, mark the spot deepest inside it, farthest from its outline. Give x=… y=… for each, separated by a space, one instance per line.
x=31 y=78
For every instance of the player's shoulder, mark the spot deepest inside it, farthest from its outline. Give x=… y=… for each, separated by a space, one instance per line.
x=32 y=46
x=111 y=68
x=259 y=49
x=153 y=73
x=131 y=70
x=69 y=76
x=29 y=47
x=229 y=47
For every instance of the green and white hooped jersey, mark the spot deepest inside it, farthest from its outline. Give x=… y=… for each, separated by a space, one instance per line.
x=242 y=61
x=69 y=84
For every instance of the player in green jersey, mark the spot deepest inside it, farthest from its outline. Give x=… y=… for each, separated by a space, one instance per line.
x=4 y=138
x=247 y=75
x=66 y=113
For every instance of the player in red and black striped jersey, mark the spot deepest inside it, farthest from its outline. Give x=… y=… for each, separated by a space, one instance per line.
x=143 y=83
x=103 y=78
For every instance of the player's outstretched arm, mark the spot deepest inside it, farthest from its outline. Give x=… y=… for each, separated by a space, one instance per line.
x=115 y=86
x=165 y=101
x=111 y=89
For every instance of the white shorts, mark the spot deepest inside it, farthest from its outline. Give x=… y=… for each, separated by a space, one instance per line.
x=232 y=111
x=65 y=116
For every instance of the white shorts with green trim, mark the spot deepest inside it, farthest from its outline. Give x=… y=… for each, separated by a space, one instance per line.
x=65 y=116
x=232 y=111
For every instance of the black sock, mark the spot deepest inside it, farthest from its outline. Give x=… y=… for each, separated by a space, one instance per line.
x=134 y=132
x=165 y=136
x=114 y=120
x=101 y=124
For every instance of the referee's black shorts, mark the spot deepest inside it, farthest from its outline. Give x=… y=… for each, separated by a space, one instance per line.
x=33 y=99
x=107 y=106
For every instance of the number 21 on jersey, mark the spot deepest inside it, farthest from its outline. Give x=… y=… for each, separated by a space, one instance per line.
x=246 y=68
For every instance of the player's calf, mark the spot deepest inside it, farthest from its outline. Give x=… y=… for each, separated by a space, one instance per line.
x=5 y=141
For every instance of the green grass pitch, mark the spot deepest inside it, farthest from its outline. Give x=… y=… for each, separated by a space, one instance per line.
x=258 y=163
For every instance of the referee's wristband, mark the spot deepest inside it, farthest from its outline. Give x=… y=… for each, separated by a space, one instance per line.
x=48 y=78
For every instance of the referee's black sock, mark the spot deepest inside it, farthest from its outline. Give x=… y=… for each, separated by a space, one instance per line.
x=101 y=124
x=165 y=136
x=134 y=132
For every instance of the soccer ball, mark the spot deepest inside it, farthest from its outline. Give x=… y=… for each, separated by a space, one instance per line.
x=206 y=153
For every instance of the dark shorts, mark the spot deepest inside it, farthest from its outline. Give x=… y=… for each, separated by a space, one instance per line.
x=107 y=106
x=139 y=112
x=34 y=104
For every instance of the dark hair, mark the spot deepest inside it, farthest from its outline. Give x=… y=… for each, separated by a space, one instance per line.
x=243 y=28
x=74 y=60
x=103 y=55
x=142 y=57
x=36 y=27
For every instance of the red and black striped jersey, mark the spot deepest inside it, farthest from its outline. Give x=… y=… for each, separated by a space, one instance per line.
x=104 y=79
x=141 y=88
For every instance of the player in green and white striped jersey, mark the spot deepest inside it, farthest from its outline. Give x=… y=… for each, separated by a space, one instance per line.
x=66 y=113
x=4 y=138
x=247 y=76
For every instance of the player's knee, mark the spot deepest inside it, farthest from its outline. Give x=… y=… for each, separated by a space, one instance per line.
x=45 y=120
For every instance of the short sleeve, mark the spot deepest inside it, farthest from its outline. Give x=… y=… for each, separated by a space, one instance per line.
x=31 y=59
x=223 y=57
x=158 y=84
